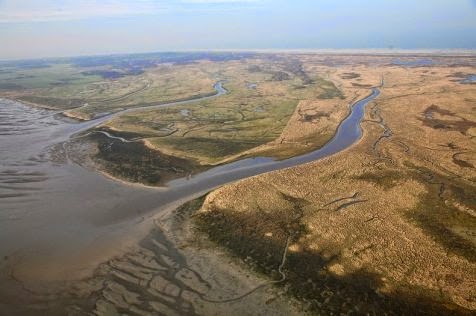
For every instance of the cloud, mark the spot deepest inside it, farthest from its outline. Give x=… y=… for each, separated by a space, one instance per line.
x=50 y=10
x=12 y=11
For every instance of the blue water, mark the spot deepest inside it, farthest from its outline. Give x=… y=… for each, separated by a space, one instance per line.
x=348 y=132
x=413 y=62
x=469 y=79
x=51 y=207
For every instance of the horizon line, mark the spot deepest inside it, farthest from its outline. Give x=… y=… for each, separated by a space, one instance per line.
x=377 y=51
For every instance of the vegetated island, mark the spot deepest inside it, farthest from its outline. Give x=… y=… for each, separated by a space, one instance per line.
x=386 y=226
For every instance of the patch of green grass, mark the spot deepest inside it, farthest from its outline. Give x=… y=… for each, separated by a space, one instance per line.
x=54 y=102
x=208 y=147
x=135 y=162
x=242 y=119
x=61 y=85
x=46 y=77
x=330 y=91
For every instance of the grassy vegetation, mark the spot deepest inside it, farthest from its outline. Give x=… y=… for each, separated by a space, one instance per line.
x=384 y=178
x=99 y=87
x=136 y=163
x=45 y=77
x=379 y=235
x=263 y=93
x=254 y=112
x=205 y=147
x=330 y=91
x=53 y=102
x=259 y=238
x=437 y=212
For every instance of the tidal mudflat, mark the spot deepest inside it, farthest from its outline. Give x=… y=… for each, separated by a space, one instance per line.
x=356 y=195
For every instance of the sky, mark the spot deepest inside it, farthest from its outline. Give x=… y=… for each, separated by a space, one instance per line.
x=54 y=28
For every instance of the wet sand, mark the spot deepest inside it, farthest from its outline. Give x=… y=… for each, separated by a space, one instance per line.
x=59 y=220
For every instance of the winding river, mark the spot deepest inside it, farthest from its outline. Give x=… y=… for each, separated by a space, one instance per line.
x=58 y=219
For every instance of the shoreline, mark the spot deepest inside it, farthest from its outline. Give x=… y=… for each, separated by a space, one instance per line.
x=128 y=183
x=191 y=270
x=66 y=112
x=167 y=211
x=172 y=222
x=304 y=205
x=32 y=104
x=235 y=159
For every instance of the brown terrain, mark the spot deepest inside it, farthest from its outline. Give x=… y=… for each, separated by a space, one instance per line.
x=387 y=225
x=384 y=227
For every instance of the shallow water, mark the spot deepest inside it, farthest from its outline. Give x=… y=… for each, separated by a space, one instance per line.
x=48 y=204
x=470 y=79
x=52 y=210
x=349 y=131
x=414 y=62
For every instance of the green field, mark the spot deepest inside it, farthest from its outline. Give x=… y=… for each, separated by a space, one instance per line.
x=263 y=93
x=256 y=109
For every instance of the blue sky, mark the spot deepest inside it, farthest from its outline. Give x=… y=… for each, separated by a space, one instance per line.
x=42 y=28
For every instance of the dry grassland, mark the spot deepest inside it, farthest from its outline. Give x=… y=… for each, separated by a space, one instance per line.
x=385 y=226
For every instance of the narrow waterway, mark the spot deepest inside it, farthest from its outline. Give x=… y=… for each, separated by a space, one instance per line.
x=58 y=220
